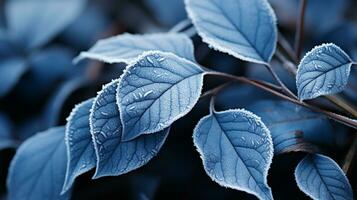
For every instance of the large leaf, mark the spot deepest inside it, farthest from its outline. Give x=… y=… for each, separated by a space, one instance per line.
x=156 y=90
x=35 y=22
x=115 y=157
x=244 y=29
x=293 y=127
x=236 y=149
x=10 y=72
x=321 y=178
x=124 y=48
x=80 y=149
x=38 y=169
x=324 y=70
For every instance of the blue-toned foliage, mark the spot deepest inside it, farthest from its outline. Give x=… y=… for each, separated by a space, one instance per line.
x=168 y=12
x=124 y=48
x=156 y=90
x=244 y=29
x=324 y=70
x=115 y=157
x=10 y=72
x=38 y=169
x=236 y=149
x=321 y=178
x=6 y=137
x=293 y=127
x=80 y=149
x=33 y=22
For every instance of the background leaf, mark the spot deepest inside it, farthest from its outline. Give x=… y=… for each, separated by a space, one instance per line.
x=244 y=29
x=126 y=47
x=321 y=178
x=80 y=149
x=155 y=91
x=38 y=169
x=293 y=127
x=324 y=70
x=115 y=157
x=36 y=22
x=236 y=149
x=10 y=72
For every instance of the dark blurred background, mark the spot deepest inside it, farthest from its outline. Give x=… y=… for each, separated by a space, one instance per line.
x=43 y=94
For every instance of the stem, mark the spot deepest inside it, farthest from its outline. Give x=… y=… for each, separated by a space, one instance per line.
x=285 y=89
x=335 y=99
x=290 y=67
x=283 y=42
x=299 y=36
x=214 y=91
x=339 y=118
x=182 y=25
x=350 y=155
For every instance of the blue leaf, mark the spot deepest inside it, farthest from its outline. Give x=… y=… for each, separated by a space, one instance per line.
x=35 y=22
x=244 y=29
x=236 y=149
x=324 y=70
x=51 y=64
x=6 y=138
x=124 y=48
x=115 y=157
x=80 y=149
x=55 y=105
x=293 y=127
x=168 y=12
x=321 y=178
x=10 y=72
x=38 y=168
x=155 y=91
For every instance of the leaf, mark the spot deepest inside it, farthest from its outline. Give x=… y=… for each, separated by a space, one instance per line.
x=10 y=72
x=324 y=70
x=244 y=29
x=56 y=103
x=115 y=157
x=236 y=149
x=80 y=149
x=293 y=127
x=126 y=47
x=6 y=138
x=320 y=177
x=155 y=91
x=37 y=170
x=35 y=22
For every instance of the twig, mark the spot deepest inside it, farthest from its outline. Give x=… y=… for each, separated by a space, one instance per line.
x=182 y=25
x=350 y=156
x=214 y=91
x=335 y=99
x=299 y=36
x=283 y=42
x=285 y=89
x=339 y=118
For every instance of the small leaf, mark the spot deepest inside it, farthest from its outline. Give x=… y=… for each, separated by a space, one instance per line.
x=38 y=168
x=236 y=149
x=80 y=149
x=6 y=138
x=124 y=48
x=320 y=177
x=324 y=70
x=115 y=157
x=11 y=71
x=293 y=127
x=244 y=29
x=155 y=91
x=35 y=22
